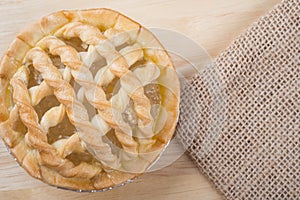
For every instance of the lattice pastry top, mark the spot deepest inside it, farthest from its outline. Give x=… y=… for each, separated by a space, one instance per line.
x=89 y=99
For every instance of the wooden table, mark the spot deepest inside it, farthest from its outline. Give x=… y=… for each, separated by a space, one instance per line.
x=213 y=24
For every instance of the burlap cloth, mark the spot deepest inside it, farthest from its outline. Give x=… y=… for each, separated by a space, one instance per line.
x=240 y=117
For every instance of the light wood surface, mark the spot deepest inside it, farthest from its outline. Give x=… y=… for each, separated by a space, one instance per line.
x=212 y=24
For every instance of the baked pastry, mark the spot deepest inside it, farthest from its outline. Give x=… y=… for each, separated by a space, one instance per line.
x=89 y=99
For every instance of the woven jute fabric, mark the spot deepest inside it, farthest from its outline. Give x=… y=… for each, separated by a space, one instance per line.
x=239 y=117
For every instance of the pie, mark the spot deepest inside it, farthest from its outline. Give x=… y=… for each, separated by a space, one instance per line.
x=89 y=99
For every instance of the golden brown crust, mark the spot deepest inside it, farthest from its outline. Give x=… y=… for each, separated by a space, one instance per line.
x=18 y=50
x=100 y=18
x=31 y=34
x=49 y=162
x=52 y=22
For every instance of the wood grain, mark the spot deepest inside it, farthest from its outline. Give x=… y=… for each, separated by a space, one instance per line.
x=212 y=24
